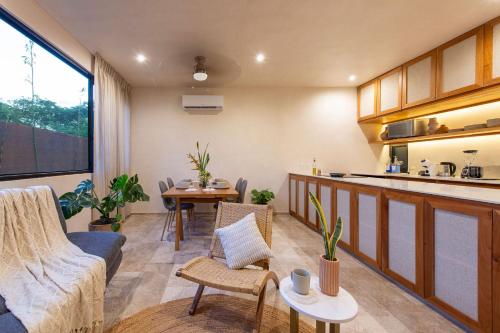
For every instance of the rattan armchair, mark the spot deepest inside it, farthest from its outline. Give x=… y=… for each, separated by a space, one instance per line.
x=212 y=271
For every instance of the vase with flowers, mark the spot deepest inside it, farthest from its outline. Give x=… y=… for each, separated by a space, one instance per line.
x=329 y=266
x=200 y=162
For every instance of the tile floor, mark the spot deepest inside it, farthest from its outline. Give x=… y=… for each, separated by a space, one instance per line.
x=146 y=276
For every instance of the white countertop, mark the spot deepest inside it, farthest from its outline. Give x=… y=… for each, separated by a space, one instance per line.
x=448 y=179
x=480 y=194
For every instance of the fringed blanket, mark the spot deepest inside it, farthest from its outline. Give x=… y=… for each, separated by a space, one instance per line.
x=48 y=283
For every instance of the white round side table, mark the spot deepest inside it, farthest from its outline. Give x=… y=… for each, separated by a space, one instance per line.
x=323 y=308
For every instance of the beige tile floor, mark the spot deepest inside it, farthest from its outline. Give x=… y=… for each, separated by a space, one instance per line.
x=146 y=276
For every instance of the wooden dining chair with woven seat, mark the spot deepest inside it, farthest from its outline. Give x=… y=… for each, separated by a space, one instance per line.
x=212 y=271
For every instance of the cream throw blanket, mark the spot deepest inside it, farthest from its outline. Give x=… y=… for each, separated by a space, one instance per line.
x=48 y=283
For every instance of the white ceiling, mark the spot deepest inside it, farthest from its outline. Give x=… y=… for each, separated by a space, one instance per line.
x=308 y=43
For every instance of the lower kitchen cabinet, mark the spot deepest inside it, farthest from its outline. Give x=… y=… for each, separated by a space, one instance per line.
x=325 y=197
x=367 y=211
x=458 y=260
x=402 y=239
x=292 y=198
x=312 y=187
x=343 y=199
x=301 y=199
x=496 y=271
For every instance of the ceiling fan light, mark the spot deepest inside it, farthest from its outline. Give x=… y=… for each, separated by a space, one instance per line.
x=200 y=69
x=200 y=76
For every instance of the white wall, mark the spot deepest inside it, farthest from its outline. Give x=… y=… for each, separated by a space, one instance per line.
x=261 y=135
x=30 y=13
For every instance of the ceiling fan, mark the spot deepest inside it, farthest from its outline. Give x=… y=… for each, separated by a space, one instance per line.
x=200 y=69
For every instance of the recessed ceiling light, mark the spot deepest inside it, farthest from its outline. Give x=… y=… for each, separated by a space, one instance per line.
x=352 y=77
x=260 y=57
x=140 y=57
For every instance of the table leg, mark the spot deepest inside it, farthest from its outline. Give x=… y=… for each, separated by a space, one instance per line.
x=178 y=223
x=320 y=326
x=334 y=328
x=294 y=321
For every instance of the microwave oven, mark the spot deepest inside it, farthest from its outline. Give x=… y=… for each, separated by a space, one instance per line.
x=407 y=128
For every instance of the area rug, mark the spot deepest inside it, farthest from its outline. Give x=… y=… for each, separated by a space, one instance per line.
x=215 y=313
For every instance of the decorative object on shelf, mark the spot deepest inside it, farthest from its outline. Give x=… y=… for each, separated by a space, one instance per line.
x=474 y=127
x=200 y=164
x=493 y=122
x=301 y=280
x=385 y=134
x=442 y=129
x=122 y=190
x=262 y=197
x=314 y=167
x=329 y=279
x=433 y=125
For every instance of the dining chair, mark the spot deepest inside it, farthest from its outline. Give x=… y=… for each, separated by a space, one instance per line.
x=170 y=205
x=170 y=182
x=241 y=191
x=236 y=187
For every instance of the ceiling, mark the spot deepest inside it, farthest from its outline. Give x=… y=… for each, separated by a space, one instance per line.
x=307 y=43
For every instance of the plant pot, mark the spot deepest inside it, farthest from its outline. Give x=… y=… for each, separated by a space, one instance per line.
x=329 y=276
x=101 y=225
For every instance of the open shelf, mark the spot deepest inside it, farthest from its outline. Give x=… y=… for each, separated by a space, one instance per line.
x=461 y=134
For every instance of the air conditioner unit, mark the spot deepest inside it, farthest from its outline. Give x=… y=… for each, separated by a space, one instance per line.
x=202 y=102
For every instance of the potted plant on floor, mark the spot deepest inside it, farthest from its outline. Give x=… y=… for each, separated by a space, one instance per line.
x=122 y=190
x=262 y=197
x=329 y=266
x=200 y=163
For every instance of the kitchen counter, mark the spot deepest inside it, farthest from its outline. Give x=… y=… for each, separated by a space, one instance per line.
x=427 y=178
x=471 y=193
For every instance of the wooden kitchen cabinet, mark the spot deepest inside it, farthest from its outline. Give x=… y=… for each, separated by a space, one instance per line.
x=419 y=80
x=492 y=52
x=367 y=100
x=402 y=239
x=343 y=207
x=326 y=198
x=301 y=198
x=458 y=260
x=312 y=216
x=460 y=64
x=292 y=197
x=496 y=271
x=389 y=94
x=367 y=209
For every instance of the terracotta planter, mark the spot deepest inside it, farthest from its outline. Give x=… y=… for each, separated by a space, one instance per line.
x=96 y=226
x=329 y=279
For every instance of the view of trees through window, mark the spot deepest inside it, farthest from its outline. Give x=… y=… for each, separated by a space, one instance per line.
x=44 y=111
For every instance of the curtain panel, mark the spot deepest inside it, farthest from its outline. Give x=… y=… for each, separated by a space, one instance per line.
x=111 y=127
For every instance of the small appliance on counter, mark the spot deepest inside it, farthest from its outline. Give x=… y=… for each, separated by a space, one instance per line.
x=447 y=169
x=428 y=168
x=406 y=128
x=470 y=170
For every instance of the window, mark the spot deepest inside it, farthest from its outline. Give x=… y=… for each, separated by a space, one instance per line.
x=45 y=107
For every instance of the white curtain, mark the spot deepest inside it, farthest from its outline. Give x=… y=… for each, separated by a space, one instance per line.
x=111 y=126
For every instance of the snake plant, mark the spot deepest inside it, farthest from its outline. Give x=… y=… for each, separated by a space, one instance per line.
x=330 y=241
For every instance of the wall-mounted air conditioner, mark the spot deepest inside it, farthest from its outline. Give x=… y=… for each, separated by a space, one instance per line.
x=202 y=102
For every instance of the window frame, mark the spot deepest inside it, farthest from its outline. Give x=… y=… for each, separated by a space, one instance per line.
x=42 y=42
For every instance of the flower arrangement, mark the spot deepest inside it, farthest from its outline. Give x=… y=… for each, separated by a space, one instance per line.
x=200 y=163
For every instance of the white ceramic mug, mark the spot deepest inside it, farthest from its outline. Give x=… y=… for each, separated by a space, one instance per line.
x=301 y=280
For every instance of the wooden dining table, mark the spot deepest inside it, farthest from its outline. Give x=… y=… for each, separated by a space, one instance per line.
x=181 y=195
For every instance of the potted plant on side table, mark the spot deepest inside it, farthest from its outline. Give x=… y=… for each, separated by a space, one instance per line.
x=122 y=190
x=329 y=266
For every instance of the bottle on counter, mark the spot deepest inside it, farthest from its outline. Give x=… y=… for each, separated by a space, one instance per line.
x=388 y=167
x=314 y=168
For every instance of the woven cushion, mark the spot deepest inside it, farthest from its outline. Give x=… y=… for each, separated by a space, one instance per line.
x=243 y=243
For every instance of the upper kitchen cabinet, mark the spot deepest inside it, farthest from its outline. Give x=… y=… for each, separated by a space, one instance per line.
x=492 y=52
x=419 y=80
x=389 y=95
x=460 y=64
x=367 y=100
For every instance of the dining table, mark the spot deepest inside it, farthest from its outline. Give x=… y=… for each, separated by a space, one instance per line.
x=195 y=195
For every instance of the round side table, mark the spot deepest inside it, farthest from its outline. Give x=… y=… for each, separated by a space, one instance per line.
x=323 y=308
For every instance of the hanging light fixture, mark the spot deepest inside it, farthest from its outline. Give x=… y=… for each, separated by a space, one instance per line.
x=200 y=69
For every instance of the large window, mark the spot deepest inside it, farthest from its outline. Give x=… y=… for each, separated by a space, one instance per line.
x=45 y=107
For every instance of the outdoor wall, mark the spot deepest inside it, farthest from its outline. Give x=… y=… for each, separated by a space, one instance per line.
x=29 y=12
x=261 y=135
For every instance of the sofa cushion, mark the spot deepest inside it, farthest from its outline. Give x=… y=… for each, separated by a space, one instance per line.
x=10 y=324
x=106 y=245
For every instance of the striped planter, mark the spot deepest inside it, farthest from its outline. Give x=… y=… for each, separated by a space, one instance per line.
x=329 y=280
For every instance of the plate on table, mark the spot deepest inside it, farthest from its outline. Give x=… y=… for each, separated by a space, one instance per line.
x=220 y=185
x=182 y=185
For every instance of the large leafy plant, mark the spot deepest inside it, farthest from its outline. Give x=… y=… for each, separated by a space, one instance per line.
x=200 y=162
x=329 y=241
x=122 y=190
x=261 y=197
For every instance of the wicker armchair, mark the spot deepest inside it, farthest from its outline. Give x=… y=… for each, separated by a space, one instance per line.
x=212 y=271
